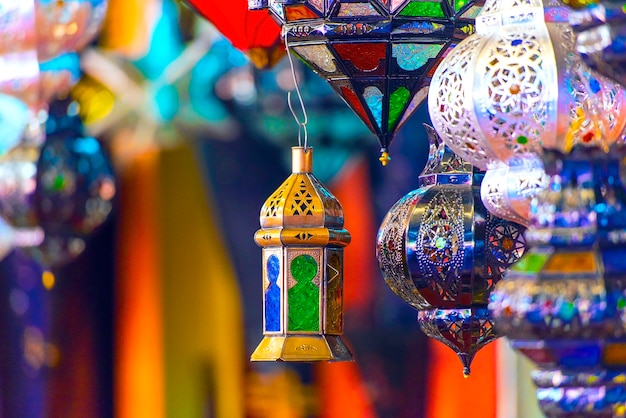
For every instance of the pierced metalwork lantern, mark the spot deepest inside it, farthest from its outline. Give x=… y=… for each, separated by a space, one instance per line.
x=563 y=304
x=302 y=237
x=517 y=86
x=442 y=252
x=378 y=55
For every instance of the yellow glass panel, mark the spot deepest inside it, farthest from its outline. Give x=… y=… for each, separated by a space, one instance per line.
x=575 y=262
x=615 y=354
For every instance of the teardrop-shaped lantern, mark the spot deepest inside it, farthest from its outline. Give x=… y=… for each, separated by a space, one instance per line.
x=442 y=252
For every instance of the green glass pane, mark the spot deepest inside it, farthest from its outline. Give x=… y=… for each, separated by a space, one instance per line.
x=459 y=4
x=397 y=102
x=423 y=9
x=303 y=297
x=531 y=263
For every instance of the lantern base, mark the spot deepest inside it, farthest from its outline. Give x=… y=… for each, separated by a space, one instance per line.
x=302 y=348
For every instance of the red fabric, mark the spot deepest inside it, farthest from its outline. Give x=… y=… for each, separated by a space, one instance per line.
x=244 y=28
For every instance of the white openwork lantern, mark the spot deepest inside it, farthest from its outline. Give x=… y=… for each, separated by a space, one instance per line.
x=515 y=87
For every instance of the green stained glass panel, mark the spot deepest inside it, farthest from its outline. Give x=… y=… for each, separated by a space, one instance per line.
x=459 y=4
x=423 y=9
x=531 y=263
x=304 y=296
x=397 y=102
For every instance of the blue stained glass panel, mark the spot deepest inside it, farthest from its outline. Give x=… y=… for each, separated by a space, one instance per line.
x=272 y=295
x=374 y=99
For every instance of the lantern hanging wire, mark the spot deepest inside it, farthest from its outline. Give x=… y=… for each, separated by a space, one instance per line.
x=303 y=135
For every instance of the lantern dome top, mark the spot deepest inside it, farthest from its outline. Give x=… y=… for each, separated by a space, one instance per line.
x=302 y=211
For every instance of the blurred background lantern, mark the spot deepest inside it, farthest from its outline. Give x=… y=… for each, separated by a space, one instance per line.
x=302 y=236
x=442 y=252
x=253 y=32
x=562 y=304
x=378 y=56
x=66 y=187
x=66 y=25
x=601 y=36
x=517 y=86
x=39 y=42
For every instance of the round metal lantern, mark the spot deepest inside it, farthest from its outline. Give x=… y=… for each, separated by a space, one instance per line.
x=442 y=252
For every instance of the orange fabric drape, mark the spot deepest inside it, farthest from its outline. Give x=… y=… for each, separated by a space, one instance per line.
x=342 y=390
x=128 y=26
x=139 y=374
x=450 y=395
x=203 y=324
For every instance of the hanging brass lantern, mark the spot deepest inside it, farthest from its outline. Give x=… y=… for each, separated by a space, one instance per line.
x=302 y=237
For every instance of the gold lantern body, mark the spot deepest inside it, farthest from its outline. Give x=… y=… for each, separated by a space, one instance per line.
x=302 y=237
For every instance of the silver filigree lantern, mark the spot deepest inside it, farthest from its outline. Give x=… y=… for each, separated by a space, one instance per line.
x=441 y=251
x=516 y=87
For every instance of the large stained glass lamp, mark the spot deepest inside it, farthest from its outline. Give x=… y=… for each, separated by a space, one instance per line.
x=379 y=56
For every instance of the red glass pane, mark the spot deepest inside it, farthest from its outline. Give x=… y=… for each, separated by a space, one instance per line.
x=364 y=56
x=245 y=29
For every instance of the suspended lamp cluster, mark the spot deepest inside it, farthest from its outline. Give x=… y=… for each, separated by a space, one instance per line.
x=442 y=252
x=64 y=188
x=564 y=304
x=302 y=237
x=515 y=87
x=38 y=44
x=378 y=55
x=55 y=191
